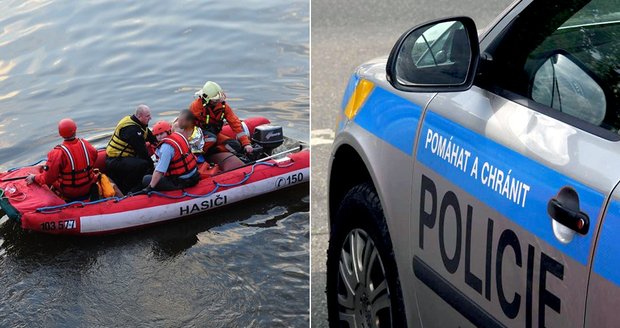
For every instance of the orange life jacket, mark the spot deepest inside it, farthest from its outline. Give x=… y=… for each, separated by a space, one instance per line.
x=208 y=117
x=183 y=161
x=79 y=172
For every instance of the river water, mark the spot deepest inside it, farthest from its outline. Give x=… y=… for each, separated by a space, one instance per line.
x=94 y=61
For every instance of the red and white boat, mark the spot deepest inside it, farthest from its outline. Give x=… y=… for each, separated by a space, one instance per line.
x=38 y=208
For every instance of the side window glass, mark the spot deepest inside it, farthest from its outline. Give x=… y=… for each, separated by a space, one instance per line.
x=565 y=56
x=561 y=84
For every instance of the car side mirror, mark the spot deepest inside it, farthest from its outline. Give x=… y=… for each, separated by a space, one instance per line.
x=439 y=56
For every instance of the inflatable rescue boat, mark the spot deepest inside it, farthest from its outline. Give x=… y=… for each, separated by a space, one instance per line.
x=282 y=163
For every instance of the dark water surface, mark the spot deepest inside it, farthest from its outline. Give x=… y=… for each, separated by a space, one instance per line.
x=244 y=265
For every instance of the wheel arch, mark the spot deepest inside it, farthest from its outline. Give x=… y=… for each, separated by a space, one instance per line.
x=348 y=168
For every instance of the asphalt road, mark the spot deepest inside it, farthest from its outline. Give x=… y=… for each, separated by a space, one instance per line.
x=344 y=35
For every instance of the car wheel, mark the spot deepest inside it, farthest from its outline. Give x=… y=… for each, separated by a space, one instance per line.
x=363 y=289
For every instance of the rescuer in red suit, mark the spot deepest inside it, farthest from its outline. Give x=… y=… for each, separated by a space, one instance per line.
x=69 y=166
x=210 y=111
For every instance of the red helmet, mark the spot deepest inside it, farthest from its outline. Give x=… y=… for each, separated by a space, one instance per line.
x=162 y=126
x=67 y=128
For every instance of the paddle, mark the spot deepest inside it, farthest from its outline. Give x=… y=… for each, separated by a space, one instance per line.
x=14 y=178
x=299 y=148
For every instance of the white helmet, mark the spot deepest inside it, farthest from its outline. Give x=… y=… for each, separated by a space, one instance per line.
x=212 y=91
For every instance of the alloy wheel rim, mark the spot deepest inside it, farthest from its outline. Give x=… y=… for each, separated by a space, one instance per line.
x=363 y=292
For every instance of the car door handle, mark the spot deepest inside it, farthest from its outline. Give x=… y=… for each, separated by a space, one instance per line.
x=571 y=218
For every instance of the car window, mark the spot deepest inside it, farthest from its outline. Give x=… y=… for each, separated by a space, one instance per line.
x=563 y=85
x=566 y=57
x=593 y=13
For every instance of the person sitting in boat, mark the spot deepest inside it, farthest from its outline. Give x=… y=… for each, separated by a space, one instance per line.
x=184 y=123
x=210 y=111
x=128 y=158
x=70 y=166
x=176 y=166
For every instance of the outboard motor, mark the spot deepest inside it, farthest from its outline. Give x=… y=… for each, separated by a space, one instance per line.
x=268 y=136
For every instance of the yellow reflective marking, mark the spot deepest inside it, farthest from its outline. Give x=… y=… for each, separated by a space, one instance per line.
x=361 y=92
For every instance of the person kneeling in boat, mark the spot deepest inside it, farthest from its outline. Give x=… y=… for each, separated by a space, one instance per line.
x=70 y=166
x=211 y=110
x=128 y=157
x=184 y=123
x=176 y=166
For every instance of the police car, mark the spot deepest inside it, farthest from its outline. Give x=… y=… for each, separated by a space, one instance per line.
x=474 y=177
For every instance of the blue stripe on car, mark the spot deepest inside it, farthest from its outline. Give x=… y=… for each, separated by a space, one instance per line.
x=391 y=118
x=607 y=257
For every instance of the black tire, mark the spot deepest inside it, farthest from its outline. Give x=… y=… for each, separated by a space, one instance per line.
x=360 y=217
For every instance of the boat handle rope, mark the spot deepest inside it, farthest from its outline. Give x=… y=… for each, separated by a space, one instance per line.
x=247 y=175
x=33 y=164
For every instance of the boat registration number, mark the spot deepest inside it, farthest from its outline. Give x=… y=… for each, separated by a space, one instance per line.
x=58 y=225
x=289 y=180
